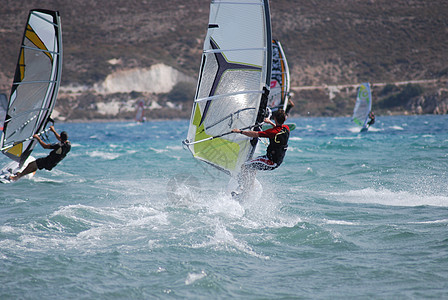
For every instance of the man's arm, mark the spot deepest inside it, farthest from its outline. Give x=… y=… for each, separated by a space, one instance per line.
x=55 y=134
x=269 y=121
x=44 y=145
x=249 y=133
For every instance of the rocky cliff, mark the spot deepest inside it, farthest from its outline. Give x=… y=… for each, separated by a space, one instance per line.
x=117 y=52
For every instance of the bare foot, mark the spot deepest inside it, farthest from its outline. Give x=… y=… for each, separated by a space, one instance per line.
x=14 y=177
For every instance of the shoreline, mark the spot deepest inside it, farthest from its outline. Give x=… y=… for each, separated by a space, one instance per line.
x=296 y=116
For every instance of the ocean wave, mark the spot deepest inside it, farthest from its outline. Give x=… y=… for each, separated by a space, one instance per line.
x=390 y=198
x=104 y=155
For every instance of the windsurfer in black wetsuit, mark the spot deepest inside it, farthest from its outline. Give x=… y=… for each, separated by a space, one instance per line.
x=372 y=119
x=60 y=150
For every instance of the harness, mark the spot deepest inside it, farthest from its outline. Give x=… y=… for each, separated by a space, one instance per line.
x=278 y=145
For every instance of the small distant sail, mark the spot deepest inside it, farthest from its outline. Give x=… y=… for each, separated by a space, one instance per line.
x=363 y=105
x=3 y=109
x=280 y=82
x=140 y=114
x=35 y=86
x=233 y=84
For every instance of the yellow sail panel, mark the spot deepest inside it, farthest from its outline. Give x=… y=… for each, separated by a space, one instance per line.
x=16 y=150
x=34 y=38
x=218 y=151
x=21 y=65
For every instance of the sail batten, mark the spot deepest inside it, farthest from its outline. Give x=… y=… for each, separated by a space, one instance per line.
x=35 y=85
x=227 y=95
x=233 y=82
x=229 y=50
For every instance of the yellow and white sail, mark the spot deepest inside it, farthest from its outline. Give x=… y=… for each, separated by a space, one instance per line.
x=36 y=84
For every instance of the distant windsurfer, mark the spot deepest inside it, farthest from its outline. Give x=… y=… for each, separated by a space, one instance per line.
x=59 y=152
x=289 y=105
x=372 y=119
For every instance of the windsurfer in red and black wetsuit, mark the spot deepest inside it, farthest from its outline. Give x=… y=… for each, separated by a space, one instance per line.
x=278 y=143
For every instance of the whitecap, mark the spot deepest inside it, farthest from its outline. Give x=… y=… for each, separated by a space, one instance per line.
x=443 y=221
x=347 y=137
x=391 y=198
x=192 y=277
x=105 y=155
x=158 y=150
x=340 y=222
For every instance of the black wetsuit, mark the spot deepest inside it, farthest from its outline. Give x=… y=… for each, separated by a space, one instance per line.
x=60 y=150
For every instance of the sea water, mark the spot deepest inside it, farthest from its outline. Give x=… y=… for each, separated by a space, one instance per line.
x=130 y=214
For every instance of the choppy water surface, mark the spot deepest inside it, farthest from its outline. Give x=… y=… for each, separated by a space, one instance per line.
x=130 y=214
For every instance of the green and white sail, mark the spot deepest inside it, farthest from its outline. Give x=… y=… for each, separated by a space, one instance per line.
x=36 y=84
x=280 y=82
x=363 y=105
x=233 y=83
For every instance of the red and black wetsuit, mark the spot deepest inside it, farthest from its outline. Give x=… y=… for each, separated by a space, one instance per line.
x=278 y=143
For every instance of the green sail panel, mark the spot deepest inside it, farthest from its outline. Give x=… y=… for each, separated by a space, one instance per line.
x=234 y=75
x=363 y=105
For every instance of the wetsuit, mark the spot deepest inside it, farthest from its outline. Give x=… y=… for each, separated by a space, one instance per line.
x=60 y=150
x=278 y=143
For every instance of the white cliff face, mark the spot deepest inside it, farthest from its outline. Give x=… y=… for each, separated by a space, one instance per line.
x=157 y=79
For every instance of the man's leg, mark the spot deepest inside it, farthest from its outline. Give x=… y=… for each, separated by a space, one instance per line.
x=32 y=167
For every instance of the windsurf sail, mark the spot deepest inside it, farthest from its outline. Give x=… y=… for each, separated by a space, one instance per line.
x=3 y=109
x=280 y=82
x=35 y=86
x=363 y=105
x=233 y=84
x=140 y=114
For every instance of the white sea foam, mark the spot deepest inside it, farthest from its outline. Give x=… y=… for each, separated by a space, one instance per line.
x=392 y=198
x=347 y=137
x=174 y=147
x=158 y=150
x=192 y=277
x=340 y=222
x=104 y=155
x=442 y=221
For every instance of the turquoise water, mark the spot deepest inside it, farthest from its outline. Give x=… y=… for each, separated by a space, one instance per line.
x=129 y=214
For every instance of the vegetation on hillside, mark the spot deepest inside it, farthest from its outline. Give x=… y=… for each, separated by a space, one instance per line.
x=327 y=42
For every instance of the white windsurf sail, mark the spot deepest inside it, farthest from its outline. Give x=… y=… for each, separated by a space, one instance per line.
x=36 y=84
x=3 y=109
x=140 y=114
x=233 y=83
x=280 y=82
x=363 y=105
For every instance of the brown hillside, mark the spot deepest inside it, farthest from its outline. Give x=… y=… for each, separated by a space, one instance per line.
x=326 y=41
